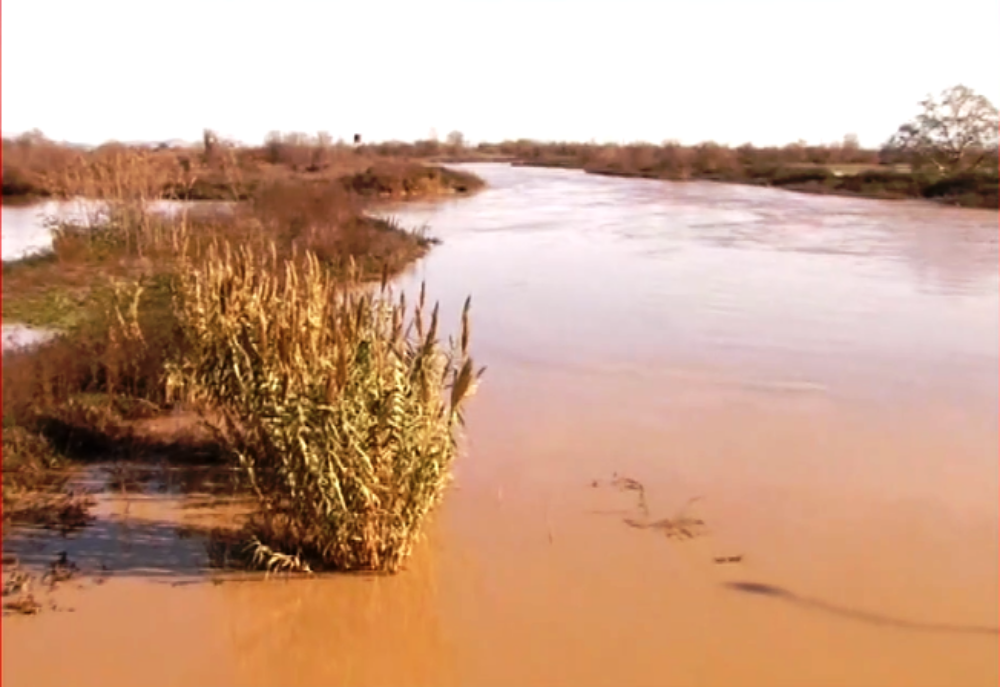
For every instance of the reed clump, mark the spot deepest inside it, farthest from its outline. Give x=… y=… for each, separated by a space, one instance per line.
x=341 y=406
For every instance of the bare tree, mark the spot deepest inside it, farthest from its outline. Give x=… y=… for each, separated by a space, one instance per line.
x=321 y=151
x=274 y=146
x=955 y=131
x=210 y=141
x=31 y=138
x=456 y=140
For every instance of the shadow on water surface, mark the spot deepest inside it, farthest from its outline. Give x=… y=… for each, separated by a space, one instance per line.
x=176 y=525
x=147 y=521
x=140 y=549
x=774 y=592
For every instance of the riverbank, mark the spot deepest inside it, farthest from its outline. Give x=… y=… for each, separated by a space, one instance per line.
x=62 y=288
x=397 y=180
x=36 y=168
x=108 y=289
x=970 y=190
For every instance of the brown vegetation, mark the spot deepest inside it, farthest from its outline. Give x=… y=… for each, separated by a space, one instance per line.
x=94 y=274
x=36 y=484
x=34 y=166
x=947 y=153
x=111 y=287
x=839 y=169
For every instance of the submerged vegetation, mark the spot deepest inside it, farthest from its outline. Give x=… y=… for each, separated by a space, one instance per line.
x=249 y=331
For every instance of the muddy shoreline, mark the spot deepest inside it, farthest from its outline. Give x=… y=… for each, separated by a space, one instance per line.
x=983 y=202
x=818 y=188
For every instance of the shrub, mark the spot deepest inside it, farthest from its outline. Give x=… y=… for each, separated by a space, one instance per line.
x=343 y=420
x=972 y=189
x=788 y=176
x=881 y=182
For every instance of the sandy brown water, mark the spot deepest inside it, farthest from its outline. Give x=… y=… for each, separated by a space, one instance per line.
x=821 y=372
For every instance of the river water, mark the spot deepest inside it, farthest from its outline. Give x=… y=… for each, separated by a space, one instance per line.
x=813 y=377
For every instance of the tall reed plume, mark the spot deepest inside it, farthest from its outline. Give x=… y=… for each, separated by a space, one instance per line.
x=342 y=407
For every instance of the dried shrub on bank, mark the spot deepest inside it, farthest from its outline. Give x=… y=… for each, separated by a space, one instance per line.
x=34 y=166
x=342 y=411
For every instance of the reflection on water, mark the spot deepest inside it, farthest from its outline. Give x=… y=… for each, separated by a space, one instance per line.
x=148 y=521
x=820 y=371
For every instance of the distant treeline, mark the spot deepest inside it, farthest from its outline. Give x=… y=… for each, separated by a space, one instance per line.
x=33 y=165
x=843 y=168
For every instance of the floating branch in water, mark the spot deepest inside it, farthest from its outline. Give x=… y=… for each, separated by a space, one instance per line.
x=681 y=526
x=722 y=560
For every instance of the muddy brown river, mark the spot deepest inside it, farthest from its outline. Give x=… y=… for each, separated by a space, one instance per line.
x=814 y=378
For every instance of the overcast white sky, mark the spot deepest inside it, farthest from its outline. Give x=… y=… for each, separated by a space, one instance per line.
x=733 y=71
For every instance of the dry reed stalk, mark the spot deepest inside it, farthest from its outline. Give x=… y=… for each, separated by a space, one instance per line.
x=343 y=415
